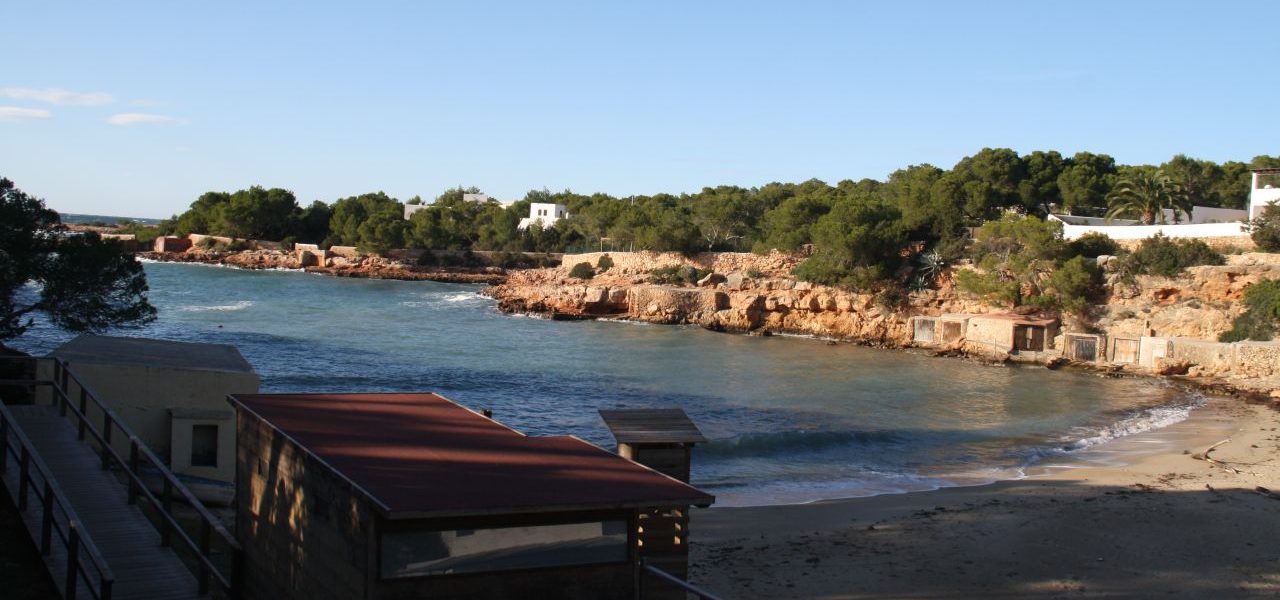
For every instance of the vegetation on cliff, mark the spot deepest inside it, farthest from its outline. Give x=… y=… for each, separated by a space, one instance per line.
x=1261 y=316
x=82 y=282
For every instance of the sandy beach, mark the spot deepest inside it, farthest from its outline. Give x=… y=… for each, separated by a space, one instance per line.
x=1138 y=517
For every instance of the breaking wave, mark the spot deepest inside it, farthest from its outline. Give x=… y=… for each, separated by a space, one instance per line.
x=771 y=444
x=241 y=305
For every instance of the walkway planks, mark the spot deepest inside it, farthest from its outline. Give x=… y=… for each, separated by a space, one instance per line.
x=130 y=545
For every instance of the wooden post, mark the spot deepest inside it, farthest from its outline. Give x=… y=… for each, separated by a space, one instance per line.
x=84 y=414
x=24 y=474
x=133 y=469
x=106 y=443
x=4 y=445
x=166 y=531
x=46 y=520
x=237 y=572
x=73 y=558
x=205 y=530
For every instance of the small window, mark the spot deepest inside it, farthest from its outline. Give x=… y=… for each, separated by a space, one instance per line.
x=204 y=445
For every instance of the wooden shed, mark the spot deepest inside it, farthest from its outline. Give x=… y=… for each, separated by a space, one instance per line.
x=413 y=496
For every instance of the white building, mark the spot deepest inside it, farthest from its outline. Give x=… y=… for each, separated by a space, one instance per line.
x=409 y=209
x=544 y=214
x=1262 y=190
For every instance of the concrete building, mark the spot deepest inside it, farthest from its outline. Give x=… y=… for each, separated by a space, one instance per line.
x=409 y=209
x=543 y=214
x=944 y=330
x=1011 y=333
x=413 y=496
x=1264 y=190
x=171 y=394
x=168 y=243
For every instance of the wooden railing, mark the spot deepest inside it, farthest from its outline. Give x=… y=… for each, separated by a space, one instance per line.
x=226 y=577
x=84 y=561
x=648 y=570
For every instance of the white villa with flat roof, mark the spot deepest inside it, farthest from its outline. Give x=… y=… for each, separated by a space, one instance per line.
x=544 y=214
x=1263 y=190
x=1202 y=222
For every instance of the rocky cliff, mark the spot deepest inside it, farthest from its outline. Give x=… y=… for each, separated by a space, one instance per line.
x=756 y=294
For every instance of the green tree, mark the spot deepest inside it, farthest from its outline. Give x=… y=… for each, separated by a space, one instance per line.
x=370 y=221
x=858 y=244
x=985 y=184
x=83 y=283
x=788 y=226
x=258 y=213
x=1146 y=195
x=1039 y=190
x=1265 y=230
x=1085 y=181
x=1196 y=178
x=1016 y=255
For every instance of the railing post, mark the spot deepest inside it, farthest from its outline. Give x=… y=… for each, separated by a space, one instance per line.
x=4 y=444
x=73 y=558
x=62 y=406
x=237 y=572
x=46 y=520
x=57 y=376
x=84 y=414
x=106 y=441
x=133 y=469
x=166 y=534
x=24 y=474
x=205 y=532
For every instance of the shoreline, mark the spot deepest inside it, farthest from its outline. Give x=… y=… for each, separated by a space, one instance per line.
x=1124 y=521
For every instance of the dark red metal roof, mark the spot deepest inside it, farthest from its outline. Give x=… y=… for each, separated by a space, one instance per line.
x=421 y=455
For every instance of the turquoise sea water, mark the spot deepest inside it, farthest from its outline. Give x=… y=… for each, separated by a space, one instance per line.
x=790 y=419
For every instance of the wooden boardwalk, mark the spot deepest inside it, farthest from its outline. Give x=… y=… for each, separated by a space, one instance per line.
x=129 y=543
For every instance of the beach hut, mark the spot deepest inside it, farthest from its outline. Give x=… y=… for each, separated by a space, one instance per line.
x=414 y=496
x=172 y=395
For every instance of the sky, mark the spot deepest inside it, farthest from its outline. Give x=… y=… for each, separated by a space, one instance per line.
x=136 y=108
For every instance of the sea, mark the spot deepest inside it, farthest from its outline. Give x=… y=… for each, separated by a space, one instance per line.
x=788 y=419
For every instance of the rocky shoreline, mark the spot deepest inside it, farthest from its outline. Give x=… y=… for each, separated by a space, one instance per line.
x=756 y=295
x=365 y=267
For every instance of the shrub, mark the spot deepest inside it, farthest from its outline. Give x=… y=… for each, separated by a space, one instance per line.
x=1070 y=287
x=683 y=274
x=238 y=246
x=206 y=243
x=582 y=270
x=989 y=286
x=1093 y=245
x=427 y=259
x=287 y=243
x=754 y=273
x=1159 y=255
x=1265 y=230
x=605 y=263
x=1262 y=312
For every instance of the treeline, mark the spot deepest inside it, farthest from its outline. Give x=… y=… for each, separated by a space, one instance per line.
x=921 y=203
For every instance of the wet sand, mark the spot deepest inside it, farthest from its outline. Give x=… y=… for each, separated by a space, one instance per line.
x=1138 y=517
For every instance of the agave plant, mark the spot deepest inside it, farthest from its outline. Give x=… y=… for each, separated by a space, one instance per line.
x=1147 y=195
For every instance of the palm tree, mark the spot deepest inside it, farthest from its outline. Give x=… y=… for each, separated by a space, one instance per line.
x=1147 y=195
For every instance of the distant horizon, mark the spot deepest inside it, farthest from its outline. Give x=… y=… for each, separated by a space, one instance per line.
x=127 y=110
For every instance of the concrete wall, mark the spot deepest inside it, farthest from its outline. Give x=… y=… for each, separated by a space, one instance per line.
x=305 y=533
x=1142 y=232
x=1213 y=355
x=143 y=397
x=1255 y=359
x=172 y=244
x=1261 y=194
x=991 y=334
x=344 y=251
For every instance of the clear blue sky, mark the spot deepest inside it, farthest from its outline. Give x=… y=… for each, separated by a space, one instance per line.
x=166 y=100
